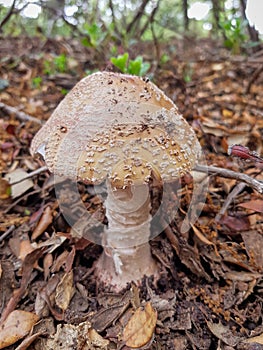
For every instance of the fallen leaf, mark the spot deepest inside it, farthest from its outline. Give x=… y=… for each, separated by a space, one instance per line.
x=202 y=238
x=25 y=248
x=258 y=339
x=235 y=223
x=223 y=333
x=256 y=205
x=254 y=247
x=47 y=263
x=18 y=185
x=139 y=330
x=97 y=340
x=16 y=326
x=27 y=269
x=28 y=341
x=5 y=189
x=65 y=291
x=106 y=316
x=45 y=220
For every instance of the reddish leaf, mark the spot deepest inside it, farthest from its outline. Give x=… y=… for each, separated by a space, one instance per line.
x=256 y=205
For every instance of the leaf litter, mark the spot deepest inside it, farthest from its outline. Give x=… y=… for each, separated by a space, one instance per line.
x=209 y=294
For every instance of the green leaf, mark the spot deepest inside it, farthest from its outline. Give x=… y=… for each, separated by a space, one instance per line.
x=86 y=42
x=134 y=67
x=121 y=62
x=138 y=67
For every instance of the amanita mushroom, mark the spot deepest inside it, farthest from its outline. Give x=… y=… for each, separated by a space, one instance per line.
x=122 y=129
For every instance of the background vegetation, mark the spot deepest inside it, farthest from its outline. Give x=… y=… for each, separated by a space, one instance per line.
x=114 y=26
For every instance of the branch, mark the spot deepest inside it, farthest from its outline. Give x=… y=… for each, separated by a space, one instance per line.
x=111 y=6
x=7 y=233
x=8 y=15
x=230 y=174
x=253 y=78
x=19 y=114
x=29 y=175
x=137 y=16
x=151 y=19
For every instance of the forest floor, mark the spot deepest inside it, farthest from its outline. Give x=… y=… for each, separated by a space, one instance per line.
x=210 y=292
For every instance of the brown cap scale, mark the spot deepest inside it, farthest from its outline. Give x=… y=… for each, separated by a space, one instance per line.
x=121 y=128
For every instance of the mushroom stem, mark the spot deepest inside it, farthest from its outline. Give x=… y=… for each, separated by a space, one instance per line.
x=127 y=255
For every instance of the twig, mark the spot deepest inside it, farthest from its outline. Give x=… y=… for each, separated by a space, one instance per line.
x=11 y=206
x=29 y=175
x=7 y=232
x=253 y=78
x=236 y=190
x=8 y=15
x=137 y=16
x=19 y=114
x=116 y=28
x=212 y=170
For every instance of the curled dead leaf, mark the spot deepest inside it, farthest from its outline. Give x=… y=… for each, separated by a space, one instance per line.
x=203 y=239
x=140 y=328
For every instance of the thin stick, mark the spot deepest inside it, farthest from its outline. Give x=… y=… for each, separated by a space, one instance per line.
x=20 y=199
x=236 y=190
x=253 y=78
x=212 y=170
x=7 y=232
x=19 y=114
x=29 y=175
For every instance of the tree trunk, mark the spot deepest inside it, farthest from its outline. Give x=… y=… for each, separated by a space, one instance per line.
x=217 y=9
x=253 y=33
x=186 y=18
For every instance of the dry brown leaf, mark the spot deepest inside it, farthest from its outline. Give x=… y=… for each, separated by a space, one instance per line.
x=16 y=326
x=256 y=205
x=47 y=263
x=59 y=262
x=139 y=330
x=28 y=341
x=27 y=269
x=200 y=235
x=258 y=339
x=25 y=249
x=224 y=333
x=45 y=220
x=65 y=291
x=97 y=340
x=203 y=239
x=5 y=189
x=235 y=223
x=254 y=246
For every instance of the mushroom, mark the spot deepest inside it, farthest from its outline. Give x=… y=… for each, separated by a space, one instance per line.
x=122 y=129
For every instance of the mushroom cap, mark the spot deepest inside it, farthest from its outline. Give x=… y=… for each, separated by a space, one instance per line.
x=118 y=126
